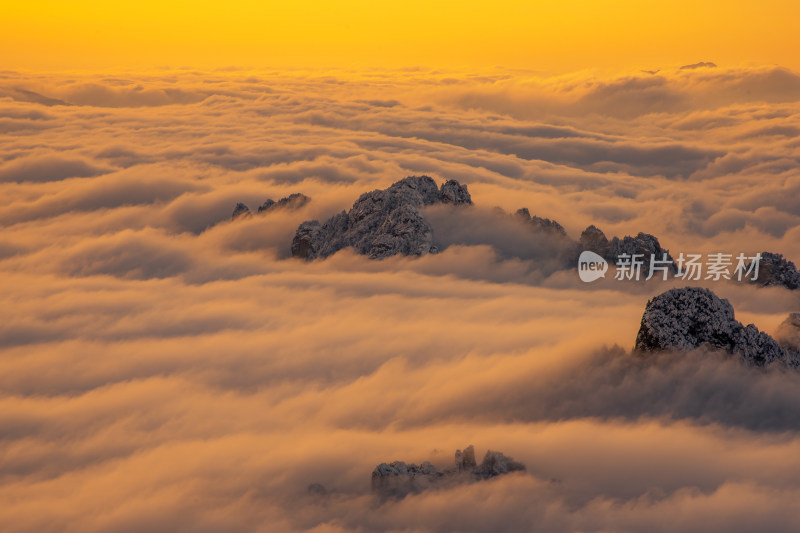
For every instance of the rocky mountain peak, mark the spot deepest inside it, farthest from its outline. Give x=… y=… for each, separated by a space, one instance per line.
x=241 y=211
x=381 y=223
x=776 y=270
x=293 y=201
x=691 y=317
x=399 y=478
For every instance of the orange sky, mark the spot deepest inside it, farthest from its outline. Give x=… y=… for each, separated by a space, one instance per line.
x=548 y=35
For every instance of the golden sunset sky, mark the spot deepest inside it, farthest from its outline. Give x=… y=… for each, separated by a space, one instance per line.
x=550 y=35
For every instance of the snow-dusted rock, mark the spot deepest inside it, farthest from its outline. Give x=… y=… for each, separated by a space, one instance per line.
x=496 y=464
x=687 y=318
x=776 y=270
x=454 y=193
x=398 y=478
x=306 y=239
x=381 y=223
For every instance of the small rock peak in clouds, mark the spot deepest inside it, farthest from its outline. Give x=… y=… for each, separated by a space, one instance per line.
x=775 y=270
x=293 y=201
x=593 y=239
x=397 y=479
x=241 y=211
x=544 y=224
x=691 y=317
x=382 y=223
x=701 y=64
x=465 y=460
x=454 y=193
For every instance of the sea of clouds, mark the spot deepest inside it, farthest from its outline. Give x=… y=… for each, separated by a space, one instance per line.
x=163 y=368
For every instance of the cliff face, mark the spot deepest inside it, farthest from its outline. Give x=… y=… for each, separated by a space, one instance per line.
x=381 y=223
x=691 y=317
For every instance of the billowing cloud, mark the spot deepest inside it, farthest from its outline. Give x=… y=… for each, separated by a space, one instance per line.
x=166 y=368
x=41 y=168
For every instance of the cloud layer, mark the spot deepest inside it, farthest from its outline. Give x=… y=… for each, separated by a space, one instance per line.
x=163 y=368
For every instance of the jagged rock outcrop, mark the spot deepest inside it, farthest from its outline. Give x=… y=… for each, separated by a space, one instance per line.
x=775 y=270
x=543 y=224
x=398 y=478
x=691 y=317
x=293 y=201
x=241 y=211
x=381 y=223
x=454 y=193
x=593 y=239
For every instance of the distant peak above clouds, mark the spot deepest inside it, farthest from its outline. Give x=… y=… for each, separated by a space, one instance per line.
x=382 y=223
x=395 y=221
x=293 y=201
x=701 y=64
x=397 y=479
x=776 y=270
